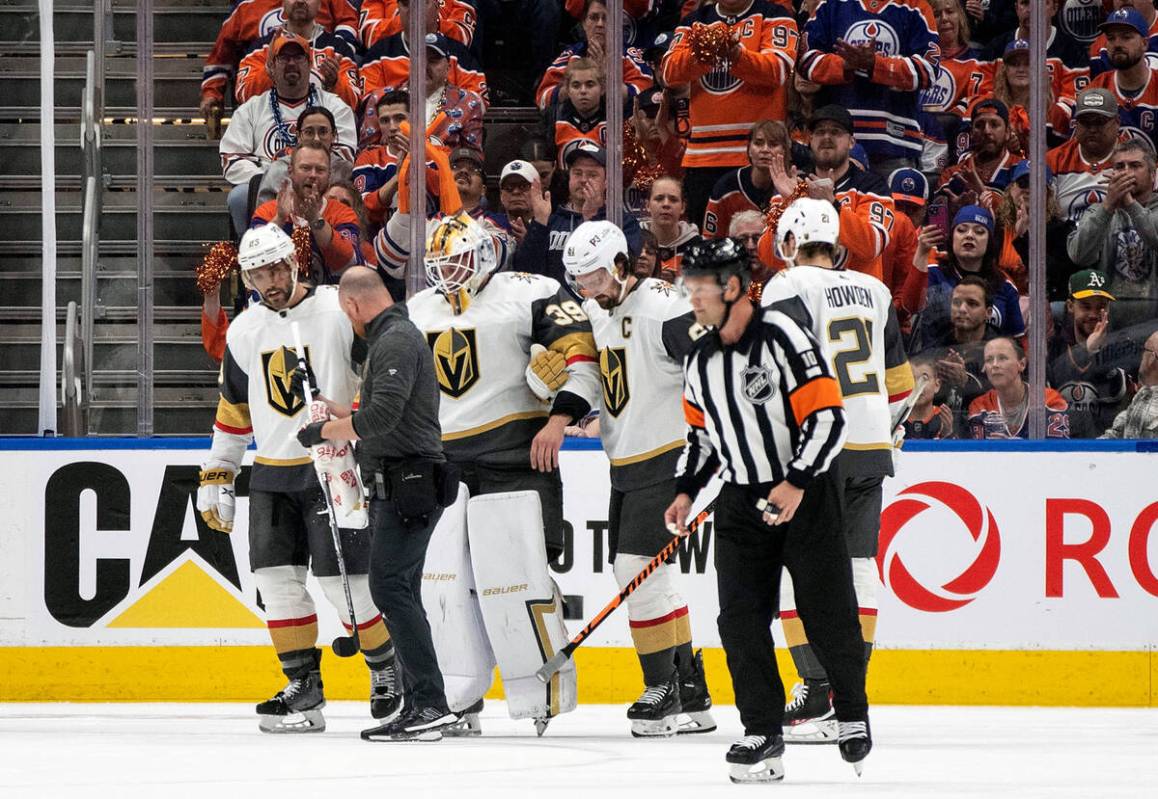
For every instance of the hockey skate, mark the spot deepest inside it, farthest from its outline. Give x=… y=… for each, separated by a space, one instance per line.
x=756 y=759
x=413 y=724
x=295 y=708
x=468 y=724
x=385 y=696
x=855 y=742
x=695 y=700
x=809 y=718
x=656 y=713
x=541 y=725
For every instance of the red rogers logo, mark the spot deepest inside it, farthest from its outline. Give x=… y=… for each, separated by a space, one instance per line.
x=979 y=523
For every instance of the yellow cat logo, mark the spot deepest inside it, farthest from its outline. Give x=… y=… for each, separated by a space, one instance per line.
x=613 y=376
x=455 y=360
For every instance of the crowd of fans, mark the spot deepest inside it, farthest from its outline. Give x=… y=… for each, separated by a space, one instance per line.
x=910 y=116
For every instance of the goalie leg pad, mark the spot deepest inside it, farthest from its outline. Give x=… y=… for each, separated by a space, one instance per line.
x=520 y=603
x=290 y=615
x=372 y=634
x=657 y=615
x=452 y=608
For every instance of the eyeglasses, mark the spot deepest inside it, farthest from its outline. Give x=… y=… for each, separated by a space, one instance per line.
x=747 y=237
x=1152 y=352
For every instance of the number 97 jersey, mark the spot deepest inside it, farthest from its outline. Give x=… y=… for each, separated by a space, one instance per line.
x=852 y=316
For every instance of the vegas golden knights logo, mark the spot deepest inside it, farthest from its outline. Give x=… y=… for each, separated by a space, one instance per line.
x=455 y=360
x=613 y=376
x=278 y=367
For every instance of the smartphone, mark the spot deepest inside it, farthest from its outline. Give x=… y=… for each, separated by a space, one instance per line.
x=939 y=216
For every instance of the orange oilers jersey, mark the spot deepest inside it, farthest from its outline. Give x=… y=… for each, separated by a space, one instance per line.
x=733 y=193
x=958 y=81
x=1078 y=183
x=387 y=65
x=636 y=74
x=253 y=79
x=726 y=100
x=571 y=130
x=252 y=19
x=867 y=214
x=1137 y=111
x=987 y=419
x=379 y=19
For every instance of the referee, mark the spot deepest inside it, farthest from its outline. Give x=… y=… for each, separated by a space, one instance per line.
x=763 y=408
x=400 y=457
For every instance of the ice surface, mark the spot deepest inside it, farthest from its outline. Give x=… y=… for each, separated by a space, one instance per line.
x=213 y=751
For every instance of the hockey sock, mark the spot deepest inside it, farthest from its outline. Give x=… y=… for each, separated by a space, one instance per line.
x=377 y=647
x=685 y=659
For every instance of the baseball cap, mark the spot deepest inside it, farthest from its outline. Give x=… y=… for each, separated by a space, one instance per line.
x=859 y=156
x=831 y=113
x=1089 y=283
x=976 y=215
x=1097 y=101
x=651 y=98
x=1129 y=18
x=1021 y=170
x=991 y=105
x=589 y=149
x=468 y=154
x=1016 y=46
x=284 y=39
x=520 y=169
x=438 y=43
x=659 y=45
x=908 y=185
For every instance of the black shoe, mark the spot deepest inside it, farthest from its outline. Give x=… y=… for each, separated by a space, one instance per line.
x=809 y=718
x=655 y=713
x=855 y=741
x=695 y=699
x=385 y=696
x=756 y=758
x=413 y=724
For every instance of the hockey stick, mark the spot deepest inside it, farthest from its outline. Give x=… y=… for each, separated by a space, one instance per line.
x=560 y=659
x=909 y=403
x=347 y=645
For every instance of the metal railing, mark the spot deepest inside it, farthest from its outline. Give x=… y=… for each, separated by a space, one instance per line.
x=73 y=421
x=90 y=142
x=145 y=218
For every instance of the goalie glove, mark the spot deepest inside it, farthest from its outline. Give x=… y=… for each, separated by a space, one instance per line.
x=215 y=496
x=546 y=373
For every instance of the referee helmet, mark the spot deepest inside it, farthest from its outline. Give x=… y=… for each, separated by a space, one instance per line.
x=719 y=257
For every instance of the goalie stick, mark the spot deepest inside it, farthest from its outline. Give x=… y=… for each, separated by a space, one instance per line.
x=346 y=645
x=560 y=659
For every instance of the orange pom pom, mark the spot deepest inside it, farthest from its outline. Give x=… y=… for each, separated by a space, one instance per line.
x=220 y=259
x=780 y=205
x=710 y=43
x=304 y=250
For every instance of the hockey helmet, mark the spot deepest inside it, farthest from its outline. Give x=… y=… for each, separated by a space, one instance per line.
x=808 y=221
x=459 y=254
x=719 y=257
x=263 y=246
x=593 y=246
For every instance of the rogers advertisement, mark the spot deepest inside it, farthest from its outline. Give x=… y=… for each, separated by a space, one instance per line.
x=1000 y=550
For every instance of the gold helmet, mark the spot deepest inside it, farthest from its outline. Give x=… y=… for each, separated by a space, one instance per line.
x=459 y=254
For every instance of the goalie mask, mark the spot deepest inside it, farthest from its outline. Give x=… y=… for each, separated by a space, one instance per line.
x=265 y=246
x=593 y=248
x=459 y=255
x=807 y=222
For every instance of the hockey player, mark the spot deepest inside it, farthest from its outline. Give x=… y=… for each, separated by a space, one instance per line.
x=852 y=316
x=288 y=523
x=516 y=363
x=643 y=329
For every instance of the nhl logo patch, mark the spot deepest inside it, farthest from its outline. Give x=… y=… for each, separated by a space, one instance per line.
x=759 y=386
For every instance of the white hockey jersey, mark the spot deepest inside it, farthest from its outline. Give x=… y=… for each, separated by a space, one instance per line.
x=256 y=399
x=252 y=141
x=487 y=412
x=853 y=317
x=642 y=343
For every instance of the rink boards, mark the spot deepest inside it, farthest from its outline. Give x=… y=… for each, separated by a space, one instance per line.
x=1011 y=574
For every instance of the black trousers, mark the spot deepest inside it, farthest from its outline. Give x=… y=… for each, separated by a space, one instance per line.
x=397 y=555
x=749 y=555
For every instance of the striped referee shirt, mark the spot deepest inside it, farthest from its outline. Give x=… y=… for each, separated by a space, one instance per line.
x=763 y=410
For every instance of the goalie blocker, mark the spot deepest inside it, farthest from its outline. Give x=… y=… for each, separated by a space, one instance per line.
x=493 y=600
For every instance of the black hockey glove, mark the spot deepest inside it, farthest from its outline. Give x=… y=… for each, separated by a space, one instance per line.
x=311 y=435
x=298 y=378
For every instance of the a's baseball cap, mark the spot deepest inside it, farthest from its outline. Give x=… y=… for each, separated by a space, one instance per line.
x=908 y=186
x=284 y=39
x=991 y=105
x=1097 y=101
x=1089 y=283
x=1127 y=18
x=974 y=214
x=438 y=43
x=651 y=98
x=1016 y=46
x=831 y=113
x=467 y=154
x=519 y=169
x=1021 y=170
x=588 y=149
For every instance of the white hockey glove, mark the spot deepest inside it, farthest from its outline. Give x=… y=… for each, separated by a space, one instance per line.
x=547 y=372
x=215 y=496
x=898 y=442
